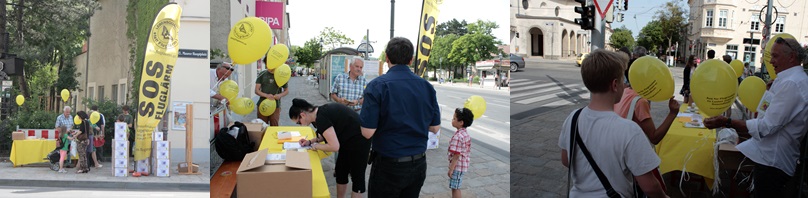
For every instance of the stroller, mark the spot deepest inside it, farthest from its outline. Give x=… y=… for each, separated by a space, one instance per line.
x=53 y=158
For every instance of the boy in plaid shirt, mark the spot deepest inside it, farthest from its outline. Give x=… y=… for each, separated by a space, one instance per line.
x=459 y=149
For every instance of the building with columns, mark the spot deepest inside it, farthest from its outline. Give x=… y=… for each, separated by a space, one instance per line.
x=546 y=28
x=735 y=27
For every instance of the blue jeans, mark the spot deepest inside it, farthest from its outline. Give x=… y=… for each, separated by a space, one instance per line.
x=396 y=179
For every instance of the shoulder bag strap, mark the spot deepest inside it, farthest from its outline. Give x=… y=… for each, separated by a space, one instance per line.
x=633 y=106
x=603 y=180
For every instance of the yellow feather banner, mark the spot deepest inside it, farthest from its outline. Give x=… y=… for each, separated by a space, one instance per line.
x=426 y=34
x=155 y=81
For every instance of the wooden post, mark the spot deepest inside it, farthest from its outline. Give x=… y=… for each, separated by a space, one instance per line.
x=189 y=131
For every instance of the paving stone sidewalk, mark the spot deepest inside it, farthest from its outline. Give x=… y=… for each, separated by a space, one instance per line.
x=41 y=175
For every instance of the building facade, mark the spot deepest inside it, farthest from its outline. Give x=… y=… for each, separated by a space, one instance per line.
x=735 y=27
x=546 y=28
x=106 y=70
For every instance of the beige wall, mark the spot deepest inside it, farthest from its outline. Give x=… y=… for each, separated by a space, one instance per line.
x=186 y=84
x=548 y=29
x=739 y=19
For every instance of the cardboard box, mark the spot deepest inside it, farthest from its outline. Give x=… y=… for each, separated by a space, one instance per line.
x=120 y=129
x=183 y=167
x=143 y=165
x=160 y=154
x=291 y=179
x=157 y=136
x=255 y=131
x=121 y=162
x=161 y=166
x=161 y=146
x=162 y=172
x=120 y=172
x=17 y=135
x=119 y=136
x=120 y=144
x=120 y=154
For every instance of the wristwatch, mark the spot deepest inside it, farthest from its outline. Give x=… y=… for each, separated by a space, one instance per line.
x=312 y=146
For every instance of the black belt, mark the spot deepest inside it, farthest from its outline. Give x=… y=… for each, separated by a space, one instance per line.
x=404 y=159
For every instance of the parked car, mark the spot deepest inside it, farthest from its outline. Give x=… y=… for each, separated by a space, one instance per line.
x=581 y=58
x=517 y=62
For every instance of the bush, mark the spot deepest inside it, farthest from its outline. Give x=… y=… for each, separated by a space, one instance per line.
x=111 y=110
x=433 y=79
x=466 y=80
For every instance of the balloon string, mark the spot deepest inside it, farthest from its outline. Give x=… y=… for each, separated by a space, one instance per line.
x=685 y=176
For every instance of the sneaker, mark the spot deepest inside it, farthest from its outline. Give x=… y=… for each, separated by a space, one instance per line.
x=62 y=171
x=99 y=166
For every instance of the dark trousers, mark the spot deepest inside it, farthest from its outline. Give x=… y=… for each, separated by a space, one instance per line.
x=353 y=163
x=769 y=181
x=396 y=179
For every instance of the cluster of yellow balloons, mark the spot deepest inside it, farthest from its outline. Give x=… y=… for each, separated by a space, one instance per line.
x=248 y=40
x=228 y=89
x=651 y=79
x=476 y=104
x=95 y=117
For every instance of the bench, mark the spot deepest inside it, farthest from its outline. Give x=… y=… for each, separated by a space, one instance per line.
x=223 y=183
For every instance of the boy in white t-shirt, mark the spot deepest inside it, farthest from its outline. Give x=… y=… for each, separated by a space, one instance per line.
x=618 y=146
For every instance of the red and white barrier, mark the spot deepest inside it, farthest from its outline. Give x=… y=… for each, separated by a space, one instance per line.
x=41 y=133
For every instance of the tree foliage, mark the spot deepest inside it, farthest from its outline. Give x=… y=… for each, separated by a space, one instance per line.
x=309 y=53
x=622 y=37
x=672 y=20
x=651 y=36
x=452 y=27
x=471 y=48
x=333 y=39
x=482 y=27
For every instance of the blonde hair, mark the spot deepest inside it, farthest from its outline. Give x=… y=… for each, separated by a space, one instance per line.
x=600 y=68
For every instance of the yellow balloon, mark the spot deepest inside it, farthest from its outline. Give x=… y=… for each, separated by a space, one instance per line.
x=651 y=79
x=77 y=120
x=95 y=117
x=229 y=89
x=751 y=91
x=65 y=95
x=476 y=104
x=242 y=106
x=737 y=66
x=767 y=53
x=267 y=107
x=713 y=87
x=282 y=75
x=249 y=40
x=277 y=55
x=20 y=100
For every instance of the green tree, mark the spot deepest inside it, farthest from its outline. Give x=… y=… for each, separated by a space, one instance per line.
x=621 y=38
x=333 y=39
x=672 y=19
x=310 y=52
x=471 y=48
x=482 y=27
x=439 y=55
x=651 y=36
x=452 y=27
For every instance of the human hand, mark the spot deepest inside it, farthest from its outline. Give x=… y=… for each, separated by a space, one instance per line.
x=451 y=170
x=715 y=122
x=673 y=105
x=276 y=97
x=270 y=96
x=304 y=142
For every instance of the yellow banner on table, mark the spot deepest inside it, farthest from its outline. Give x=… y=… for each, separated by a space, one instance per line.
x=426 y=34
x=155 y=81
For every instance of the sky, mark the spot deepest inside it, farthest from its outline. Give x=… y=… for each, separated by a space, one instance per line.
x=644 y=12
x=354 y=18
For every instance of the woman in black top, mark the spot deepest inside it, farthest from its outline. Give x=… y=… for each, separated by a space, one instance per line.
x=83 y=141
x=338 y=126
x=691 y=64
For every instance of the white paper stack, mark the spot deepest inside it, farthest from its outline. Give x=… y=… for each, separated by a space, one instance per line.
x=160 y=158
x=120 y=157
x=434 y=140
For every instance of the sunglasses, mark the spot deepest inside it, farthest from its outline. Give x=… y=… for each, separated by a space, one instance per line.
x=228 y=68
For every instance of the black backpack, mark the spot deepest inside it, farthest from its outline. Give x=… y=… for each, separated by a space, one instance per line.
x=233 y=149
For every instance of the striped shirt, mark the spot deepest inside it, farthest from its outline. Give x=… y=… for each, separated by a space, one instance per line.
x=460 y=145
x=62 y=120
x=349 y=89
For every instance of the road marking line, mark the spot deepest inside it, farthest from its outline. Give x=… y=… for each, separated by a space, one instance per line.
x=534 y=86
x=548 y=96
x=573 y=86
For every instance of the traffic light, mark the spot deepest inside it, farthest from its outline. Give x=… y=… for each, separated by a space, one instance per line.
x=587 y=20
x=625 y=4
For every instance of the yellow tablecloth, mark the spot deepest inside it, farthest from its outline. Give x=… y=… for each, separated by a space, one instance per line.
x=270 y=141
x=31 y=151
x=673 y=150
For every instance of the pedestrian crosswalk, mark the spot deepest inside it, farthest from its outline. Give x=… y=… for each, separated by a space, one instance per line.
x=547 y=94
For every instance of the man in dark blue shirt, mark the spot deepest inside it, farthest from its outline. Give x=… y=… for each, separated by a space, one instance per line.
x=399 y=110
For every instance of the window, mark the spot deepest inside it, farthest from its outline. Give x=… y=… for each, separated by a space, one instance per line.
x=755 y=22
x=123 y=93
x=90 y=93
x=722 y=18
x=114 y=96
x=732 y=50
x=749 y=55
x=709 y=18
x=100 y=93
x=780 y=24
